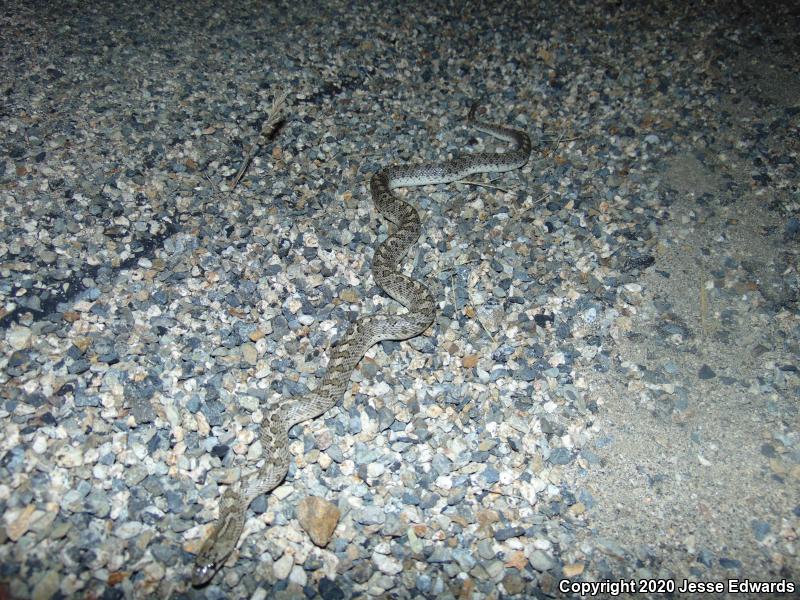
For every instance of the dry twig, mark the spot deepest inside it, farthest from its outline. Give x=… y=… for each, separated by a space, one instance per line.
x=273 y=117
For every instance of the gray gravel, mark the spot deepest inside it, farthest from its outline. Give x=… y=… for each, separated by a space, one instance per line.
x=610 y=389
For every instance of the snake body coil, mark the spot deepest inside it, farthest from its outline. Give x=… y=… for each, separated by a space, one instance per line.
x=363 y=334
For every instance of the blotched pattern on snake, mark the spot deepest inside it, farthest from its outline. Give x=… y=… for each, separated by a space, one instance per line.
x=363 y=334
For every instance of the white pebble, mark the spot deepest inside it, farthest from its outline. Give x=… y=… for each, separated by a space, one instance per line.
x=40 y=444
x=283 y=491
x=298 y=576
x=282 y=567
x=375 y=470
x=155 y=571
x=387 y=564
x=444 y=482
x=254 y=452
x=18 y=337
x=294 y=304
x=69 y=457
x=324 y=461
x=542 y=544
x=259 y=594
x=129 y=529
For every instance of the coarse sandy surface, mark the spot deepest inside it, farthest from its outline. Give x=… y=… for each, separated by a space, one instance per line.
x=608 y=394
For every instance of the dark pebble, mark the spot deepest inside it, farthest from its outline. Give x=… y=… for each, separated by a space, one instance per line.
x=490 y=475
x=456 y=498
x=768 y=450
x=78 y=367
x=220 y=450
x=730 y=563
x=329 y=590
x=259 y=504
x=429 y=501
x=502 y=535
x=705 y=557
x=705 y=372
x=560 y=456
x=760 y=529
x=83 y=399
x=410 y=498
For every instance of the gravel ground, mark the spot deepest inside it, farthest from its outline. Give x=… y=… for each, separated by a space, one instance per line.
x=609 y=393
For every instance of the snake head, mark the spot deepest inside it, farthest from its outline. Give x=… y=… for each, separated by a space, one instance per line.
x=203 y=571
x=211 y=557
x=219 y=545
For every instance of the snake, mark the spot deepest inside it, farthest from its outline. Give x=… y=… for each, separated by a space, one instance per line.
x=363 y=333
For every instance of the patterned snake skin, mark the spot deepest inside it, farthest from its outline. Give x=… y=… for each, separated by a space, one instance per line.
x=363 y=334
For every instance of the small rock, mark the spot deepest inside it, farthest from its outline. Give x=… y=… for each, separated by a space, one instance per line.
x=19 y=338
x=423 y=582
x=513 y=583
x=154 y=571
x=705 y=557
x=490 y=475
x=440 y=554
x=486 y=550
x=370 y=515
x=97 y=502
x=349 y=295
x=560 y=456
x=19 y=521
x=318 y=518
x=249 y=353
x=573 y=570
x=129 y=529
x=760 y=529
x=375 y=470
x=494 y=568
x=298 y=576
x=393 y=526
x=335 y=453
x=464 y=559
x=610 y=548
x=387 y=564
x=517 y=560
x=541 y=561
x=469 y=361
x=324 y=439
x=361 y=571
x=502 y=535
x=329 y=590
x=577 y=509
x=706 y=372
x=47 y=586
x=413 y=541
x=441 y=464
x=282 y=567
x=729 y=563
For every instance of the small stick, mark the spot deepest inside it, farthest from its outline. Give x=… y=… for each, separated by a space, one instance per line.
x=490 y=491
x=454 y=267
x=542 y=197
x=273 y=116
x=491 y=337
x=555 y=143
x=453 y=289
x=486 y=185
x=562 y=139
